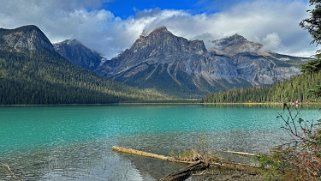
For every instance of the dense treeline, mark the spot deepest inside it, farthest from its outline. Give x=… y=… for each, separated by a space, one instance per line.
x=47 y=78
x=300 y=88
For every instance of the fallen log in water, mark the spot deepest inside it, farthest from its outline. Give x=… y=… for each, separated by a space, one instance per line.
x=147 y=154
x=195 y=165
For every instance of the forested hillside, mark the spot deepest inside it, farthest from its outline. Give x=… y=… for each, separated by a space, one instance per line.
x=302 y=87
x=31 y=72
x=44 y=79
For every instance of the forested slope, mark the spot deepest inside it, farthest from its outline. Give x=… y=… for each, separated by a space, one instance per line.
x=42 y=78
x=302 y=87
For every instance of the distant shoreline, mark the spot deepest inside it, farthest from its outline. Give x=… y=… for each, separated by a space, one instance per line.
x=261 y=103
x=159 y=103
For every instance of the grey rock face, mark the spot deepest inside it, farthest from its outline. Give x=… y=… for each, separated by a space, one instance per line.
x=26 y=38
x=263 y=70
x=78 y=54
x=235 y=44
x=186 y=68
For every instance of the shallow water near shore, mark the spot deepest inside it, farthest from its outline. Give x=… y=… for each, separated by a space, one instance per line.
x=74 y=142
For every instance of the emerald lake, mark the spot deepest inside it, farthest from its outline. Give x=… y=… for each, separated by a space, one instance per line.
x=74 y=142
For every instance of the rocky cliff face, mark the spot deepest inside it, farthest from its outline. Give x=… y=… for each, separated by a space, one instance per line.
x=26 y=38
x=255 y=64
x=186 y=68
x=263 y=70
x=78 y=54
x=172 y=64
x=233 y=45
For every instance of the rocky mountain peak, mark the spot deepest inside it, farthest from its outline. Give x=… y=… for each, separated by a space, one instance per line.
x=26 y=28
x=71 y=42
x=162 y=41
x=233 y=45
x=236 y=37
x=25 y=38
x=78 y=54
x=158 y=33
x=161 y=29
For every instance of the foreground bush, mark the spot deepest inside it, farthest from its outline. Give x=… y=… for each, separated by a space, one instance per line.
x=299 y=159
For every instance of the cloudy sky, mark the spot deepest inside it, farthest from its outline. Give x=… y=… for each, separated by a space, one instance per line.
x=110 y=26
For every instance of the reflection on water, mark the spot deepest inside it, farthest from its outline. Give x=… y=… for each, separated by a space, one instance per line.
x=89 y=161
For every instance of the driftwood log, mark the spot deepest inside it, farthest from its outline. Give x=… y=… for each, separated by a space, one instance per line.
x=147 y=154
x=195 y=166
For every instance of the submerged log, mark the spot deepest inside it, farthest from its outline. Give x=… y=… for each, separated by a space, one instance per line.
x=186 y=172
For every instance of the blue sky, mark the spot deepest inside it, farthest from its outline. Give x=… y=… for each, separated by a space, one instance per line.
x=111 y=26
x=127 y=8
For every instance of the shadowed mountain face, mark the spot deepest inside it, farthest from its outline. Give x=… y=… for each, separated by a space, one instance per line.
x=186 y=68
x=78 y=54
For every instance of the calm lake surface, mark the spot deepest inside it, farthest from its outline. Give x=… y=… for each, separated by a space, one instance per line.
x=74 y=142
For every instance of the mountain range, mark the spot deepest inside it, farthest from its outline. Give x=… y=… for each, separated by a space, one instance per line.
x=32 y=72
x=181 y=67
x=161 y=63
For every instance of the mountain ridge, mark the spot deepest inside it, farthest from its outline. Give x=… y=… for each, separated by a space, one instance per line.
x=235 y=44
x=182 y=67
x=164 y=62
x=74 y=51
x=25 y=38
x=32 y=73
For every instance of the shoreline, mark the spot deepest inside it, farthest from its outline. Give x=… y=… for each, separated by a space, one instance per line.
x=159 y=103
x=156 y=103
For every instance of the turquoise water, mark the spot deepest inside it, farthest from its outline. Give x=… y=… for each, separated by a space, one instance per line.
x=74 y=142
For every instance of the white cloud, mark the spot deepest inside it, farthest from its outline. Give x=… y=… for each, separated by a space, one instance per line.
x=271 y=22
x=271 y=41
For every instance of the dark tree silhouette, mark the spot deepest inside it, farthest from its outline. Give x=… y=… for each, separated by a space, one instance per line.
x=313 y=23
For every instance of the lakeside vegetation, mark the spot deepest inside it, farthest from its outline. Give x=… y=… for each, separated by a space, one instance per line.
x=304 y=88
x=300 y=158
